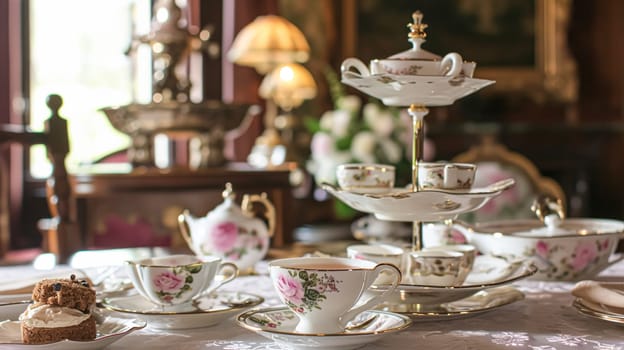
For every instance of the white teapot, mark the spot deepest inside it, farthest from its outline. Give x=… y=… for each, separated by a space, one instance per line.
x=231 y=232
x=415 y=61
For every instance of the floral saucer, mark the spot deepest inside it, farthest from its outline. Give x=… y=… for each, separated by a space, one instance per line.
x=109 y=330
x=401 y=204
x=203 y=312
x=481 y=302
x=600 y=311
x=429 y=298
x=278 y=323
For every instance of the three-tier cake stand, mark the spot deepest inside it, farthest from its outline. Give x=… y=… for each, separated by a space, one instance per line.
x=418 y=79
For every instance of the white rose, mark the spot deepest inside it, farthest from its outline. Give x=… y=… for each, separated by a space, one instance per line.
x=327 y=120
x=363 y=146
x=391 y=150
x=321 y=145
x=349 y=103
x=341 y=123
x=383 y=124
x=325 y=170
x=369 y=112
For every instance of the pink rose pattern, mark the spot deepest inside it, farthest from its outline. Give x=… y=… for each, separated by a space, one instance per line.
x=233 y=242
x=303 y=291
x=224 y=236
x=585 y=256
x=168 y=281
x=171 y=284
x=290 y=289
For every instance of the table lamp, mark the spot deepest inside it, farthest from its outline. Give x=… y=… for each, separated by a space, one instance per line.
x=265 y=44
x=286 y=87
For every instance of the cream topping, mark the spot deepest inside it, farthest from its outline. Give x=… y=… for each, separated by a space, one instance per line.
x=49 y=316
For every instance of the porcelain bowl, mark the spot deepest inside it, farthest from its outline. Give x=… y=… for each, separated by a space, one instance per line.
x=575 y=249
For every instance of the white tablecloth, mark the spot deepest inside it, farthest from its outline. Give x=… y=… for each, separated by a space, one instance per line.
x=545 y=320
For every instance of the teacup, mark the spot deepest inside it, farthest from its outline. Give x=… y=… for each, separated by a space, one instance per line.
x=378 y=253
x=322 y=292
x=448 y=176
x=178 y=279
x=365 y=178
x=437 y=268
x=469 y=251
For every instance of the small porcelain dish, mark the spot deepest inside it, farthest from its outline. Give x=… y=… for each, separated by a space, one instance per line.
x=109 y=329
x=204 y=312
x=563 y=249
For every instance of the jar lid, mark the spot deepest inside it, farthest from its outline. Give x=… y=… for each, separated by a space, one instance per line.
x=417 y=37
x=552 y=227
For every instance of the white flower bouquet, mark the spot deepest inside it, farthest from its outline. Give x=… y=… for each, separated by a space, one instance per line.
x=352 y=133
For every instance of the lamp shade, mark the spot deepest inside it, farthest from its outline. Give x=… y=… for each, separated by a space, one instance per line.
x=267 y=42
x=288 y=85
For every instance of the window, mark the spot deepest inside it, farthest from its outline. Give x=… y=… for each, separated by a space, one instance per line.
x=77 y=50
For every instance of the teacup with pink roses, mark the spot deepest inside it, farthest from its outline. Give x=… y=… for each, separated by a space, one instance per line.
x=178 y=279
x=323 y=292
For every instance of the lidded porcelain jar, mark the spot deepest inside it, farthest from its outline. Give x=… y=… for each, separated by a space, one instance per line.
x=231 y=232
x=415 y=61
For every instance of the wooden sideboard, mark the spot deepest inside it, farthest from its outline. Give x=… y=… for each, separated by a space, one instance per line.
x=139 y=207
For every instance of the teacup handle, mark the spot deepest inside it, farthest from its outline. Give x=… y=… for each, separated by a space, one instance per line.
x=455 y=61
x=358 y=65
x=378 y=299
x=233 y=275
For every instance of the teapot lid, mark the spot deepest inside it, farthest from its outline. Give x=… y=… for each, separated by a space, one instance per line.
x=417 y=37
x=228 y=193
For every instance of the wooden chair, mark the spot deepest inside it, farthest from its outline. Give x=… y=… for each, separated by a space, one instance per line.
x=61 y=235
x=496 y=162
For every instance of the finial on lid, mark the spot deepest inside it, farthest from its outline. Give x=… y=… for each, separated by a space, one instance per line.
x=228 y=192
x=417 y=29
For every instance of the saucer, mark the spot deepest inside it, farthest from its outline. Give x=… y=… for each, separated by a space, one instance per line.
x=432 y=296
x=109 y=330
x=404 y=90
x=478 y=303
x=401 y=204
x=278 y=323
x=599 y=311
x=205 y=311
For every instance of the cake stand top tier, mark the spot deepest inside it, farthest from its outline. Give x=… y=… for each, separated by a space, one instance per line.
x=414 y=76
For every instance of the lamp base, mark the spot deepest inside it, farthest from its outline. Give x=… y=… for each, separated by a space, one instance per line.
x=264 y=156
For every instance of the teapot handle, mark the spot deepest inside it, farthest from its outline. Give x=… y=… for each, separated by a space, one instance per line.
x=269 y=212
x=185 y=230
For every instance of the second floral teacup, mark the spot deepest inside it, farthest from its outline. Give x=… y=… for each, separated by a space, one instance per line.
x=178 y=279
x=322 y=292
x=437 y=268
x=447 y=176
x=365 y=178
